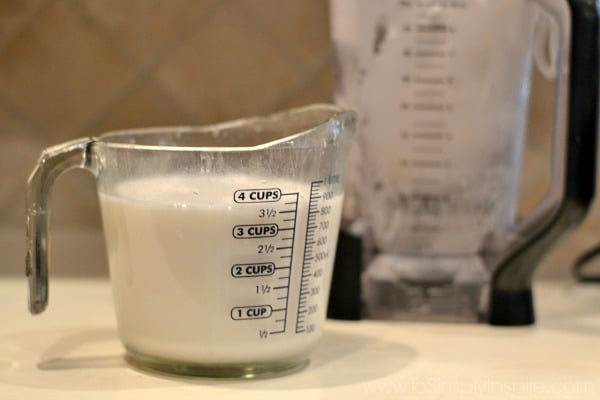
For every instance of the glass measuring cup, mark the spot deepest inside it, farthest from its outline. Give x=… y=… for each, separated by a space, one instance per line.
x=220 y=239
x=442 y=89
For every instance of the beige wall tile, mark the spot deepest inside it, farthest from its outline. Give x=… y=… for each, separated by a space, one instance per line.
x=141 y=27
x=19 y=149
x=316 y=88
x=77 y=67
x=69 y=68
x=60 y=73
x=16 y=13
x=144 y=106
x=226 y=69
x=300 y=26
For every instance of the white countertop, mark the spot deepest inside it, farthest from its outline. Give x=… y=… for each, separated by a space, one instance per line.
x=72 y=352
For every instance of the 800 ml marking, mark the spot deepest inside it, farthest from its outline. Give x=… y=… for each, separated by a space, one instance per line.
x=251 y=312
x=257 y=195
x=251 y=270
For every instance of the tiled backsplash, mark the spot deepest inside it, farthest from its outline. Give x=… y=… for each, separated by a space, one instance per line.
x=72 y=68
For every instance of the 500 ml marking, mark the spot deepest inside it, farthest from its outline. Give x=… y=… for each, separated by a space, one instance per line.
x=275 y=251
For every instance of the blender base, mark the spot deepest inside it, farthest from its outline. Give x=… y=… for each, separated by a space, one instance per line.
x=425 y=288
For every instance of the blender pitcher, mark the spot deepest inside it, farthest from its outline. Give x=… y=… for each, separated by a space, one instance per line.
x=220 y=239
x=442 y=91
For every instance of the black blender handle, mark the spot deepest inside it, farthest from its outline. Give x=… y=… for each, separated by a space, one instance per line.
x=579 y=268
x=511 y=300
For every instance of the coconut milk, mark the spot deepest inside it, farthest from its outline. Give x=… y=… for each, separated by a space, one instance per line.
x=210 y=270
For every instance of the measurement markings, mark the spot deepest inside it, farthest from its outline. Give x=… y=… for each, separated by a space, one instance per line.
x=456 y=4
x=428 y=149
x=430 y=53
x=428 y=135
x=313 y=211
x=429 y=124
x=428 y=65
x=429 y=93
x=436 y=27
x=429 y=107
x=286 y=288
x=428 y=163
x=427 y=181
x=430 y=80
x=431 y=40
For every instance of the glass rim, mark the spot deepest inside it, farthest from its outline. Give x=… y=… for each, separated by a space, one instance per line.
x=336 y=114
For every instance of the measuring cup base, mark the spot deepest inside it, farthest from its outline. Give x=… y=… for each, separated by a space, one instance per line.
x=234 y=371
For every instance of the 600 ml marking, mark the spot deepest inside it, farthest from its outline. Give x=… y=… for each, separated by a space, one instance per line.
x=257 y=195
x=252 y=270
x=251 y=312
x=255 y=231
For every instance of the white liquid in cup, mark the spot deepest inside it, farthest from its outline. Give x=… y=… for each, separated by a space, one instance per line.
x=173 y=255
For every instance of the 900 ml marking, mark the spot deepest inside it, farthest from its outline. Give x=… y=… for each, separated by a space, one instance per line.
x=257 y=195
x=251 y=312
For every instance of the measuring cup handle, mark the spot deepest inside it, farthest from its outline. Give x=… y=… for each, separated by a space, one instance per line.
x=511 y=298
x=52 y=163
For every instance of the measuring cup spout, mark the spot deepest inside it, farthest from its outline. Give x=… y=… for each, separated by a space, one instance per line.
x=327 y=125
